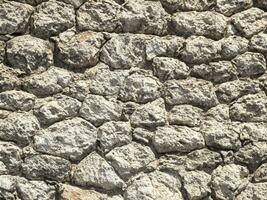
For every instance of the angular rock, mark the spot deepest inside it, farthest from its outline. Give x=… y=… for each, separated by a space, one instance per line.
x=219 y=113
x=153 y=186
x=80 y=50
x=113 y=134
x=227 y=179
x=98 y=110
x=140 y=88
x=144 y=17
x=185 y=115
x=75 y=3
x=250 y=108
x=50 y=82
x=51 y=18
x=93 y=170
x=8 y=78
x=19 y=127
x=260 y=175
x=130 y=159
x=232 y=90
x=29 y=53
x=46 y=167
x=192 y=91
x=70 y=139
x=78 y=89
x=143 y=135
x=166 y=68
x=177 y=139
x=208 y=24
x=229 y=7
x=217 y=72
x=220 y=136
x=16 y=100
x=14 y=17
x=259 y=43
x=200 y=50
x=7 y=187
x=250 y=22
x=151 y=114
x=254 y=190
x=250 y=64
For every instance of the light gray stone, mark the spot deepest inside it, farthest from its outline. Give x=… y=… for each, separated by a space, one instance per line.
x=229 y=7
x=143 y=135
x=7 y=187
x=260 y=175
x=2 y=51
x=78 y=89
x=218 y=113
x=29 y=53
x=254 y=190
x=74 y=3
x=8 y=78
x=259 y=43
x=94 y=170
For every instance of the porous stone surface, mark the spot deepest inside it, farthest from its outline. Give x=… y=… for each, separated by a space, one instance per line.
x=133 y=100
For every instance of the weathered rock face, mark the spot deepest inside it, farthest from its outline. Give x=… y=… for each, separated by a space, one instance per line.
x=133 y=100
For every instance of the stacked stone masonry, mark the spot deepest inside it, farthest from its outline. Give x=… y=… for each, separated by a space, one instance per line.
x=133 y=100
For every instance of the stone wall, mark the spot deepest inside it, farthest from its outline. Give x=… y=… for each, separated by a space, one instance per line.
x=133 y=100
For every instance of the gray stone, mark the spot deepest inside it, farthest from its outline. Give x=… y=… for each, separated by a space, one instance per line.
x=98 y=110
x=227 y=179
x=260 y=175
x=57 y=108
x=93 y=170
x=50 y=82
x=8 y=78
x=78 y=89
x=151 y=114
x=46 y=167
x=208 y=24
x=217 y=72
x=16 y=100
x=229 y=7
x=70 y=139
x=19 y=127
x=250 y=22
x=80 y=50
x=153 y=186
x=218 y=113
x=250 y=108
x=113 y=134
x=14 y=17
x=177 y=139
x=130 y=159
x=7 y=187
x=166 y=68
x=2 y=51
x=200 y=50
x=29 y=53
x=192 y=91
x=140 y=87
x=232 y=90
x=254 y=190
x=51 y=18
x=250 y=64
x=259 y=43
x=185 y=115
x=74 y=3
x=262 y=4
x=143 y=135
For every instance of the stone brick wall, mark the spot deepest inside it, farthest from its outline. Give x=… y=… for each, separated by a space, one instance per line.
x=133 y=100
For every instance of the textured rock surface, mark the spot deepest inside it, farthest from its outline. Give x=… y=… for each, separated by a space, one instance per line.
x=133 y=100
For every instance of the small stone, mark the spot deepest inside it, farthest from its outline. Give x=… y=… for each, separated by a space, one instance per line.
x=50 y=82
x=200 y=50
x=177 y=139
x=8 y=78
x=208 y=24
x=113 y=134
x=16 y=100
x=70 y=139
x=14 y=17
x=2 y=51
x=51 y=18
x=98 y=110
x=7 y=187
x=250 y=108
x=185 y=115
x=254 y=191
x=78 y=89
x=259 y=43
x=46 y=167
x=250 y=21
x=19 y=127
x=229 y=7
x=217 y=72
x=232 y=90
x=166 y=68
x=55 y=109
x=93 y=170
x=260 y=175
x=140 y=88
x=75 y=3
x=153 y=186
x=143 y=135
x=80 y=50
x=219 y=113
x=220 y=136
x=130 y=159
x=192 y=91
x=151 y=114
x=250 y=64
x=227 y=179
x=29 y=53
